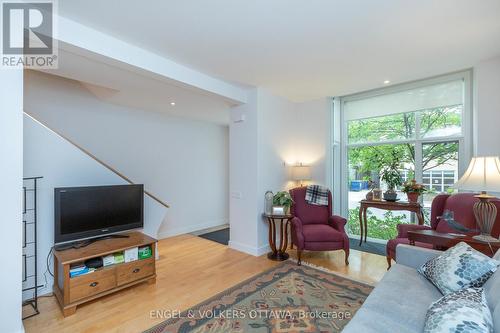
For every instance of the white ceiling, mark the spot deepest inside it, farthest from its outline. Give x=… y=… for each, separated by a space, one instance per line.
x=304 y=49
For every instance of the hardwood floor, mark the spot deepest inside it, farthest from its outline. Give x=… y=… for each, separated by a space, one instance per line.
x=190 y=270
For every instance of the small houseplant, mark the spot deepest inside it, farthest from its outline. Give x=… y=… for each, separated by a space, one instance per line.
x=413 y=190
x=283 y=199
x=392 y=177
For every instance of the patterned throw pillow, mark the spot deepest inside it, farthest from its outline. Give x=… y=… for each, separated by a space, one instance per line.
x=459 y=267
x=465 y=311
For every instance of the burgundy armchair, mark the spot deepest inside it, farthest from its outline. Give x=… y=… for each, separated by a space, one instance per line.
x=460 y=204
x=314 y=227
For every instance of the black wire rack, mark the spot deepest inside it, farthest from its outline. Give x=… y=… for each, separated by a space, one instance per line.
x=30 y=271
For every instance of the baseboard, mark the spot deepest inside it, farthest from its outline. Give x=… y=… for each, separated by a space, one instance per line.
x=254 y=251
x=191 y=228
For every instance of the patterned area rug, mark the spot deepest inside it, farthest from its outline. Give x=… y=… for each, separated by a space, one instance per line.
x=287 y=298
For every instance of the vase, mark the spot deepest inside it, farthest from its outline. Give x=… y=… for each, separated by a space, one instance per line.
x=390 y=195
x=413 y=197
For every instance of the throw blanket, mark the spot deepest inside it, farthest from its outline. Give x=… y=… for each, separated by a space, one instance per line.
x=317 y=195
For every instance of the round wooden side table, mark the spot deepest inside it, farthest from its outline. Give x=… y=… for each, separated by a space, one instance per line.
x=278 y=254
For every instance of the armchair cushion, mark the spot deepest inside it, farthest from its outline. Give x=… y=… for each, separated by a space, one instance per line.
x=321 y=233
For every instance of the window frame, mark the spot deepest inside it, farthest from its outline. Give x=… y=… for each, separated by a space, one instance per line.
x=339 y=136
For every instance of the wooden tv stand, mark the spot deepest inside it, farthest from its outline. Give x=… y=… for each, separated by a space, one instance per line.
x=71 y=292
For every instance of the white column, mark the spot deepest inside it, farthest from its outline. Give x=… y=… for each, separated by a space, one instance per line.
x=11 y=169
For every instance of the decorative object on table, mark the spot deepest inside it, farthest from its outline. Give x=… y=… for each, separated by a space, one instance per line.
x=458 y=268
x=278 y=251
x=301 y=173
x=462 y=311
x=413 y=190
x=282 y=200
x=268 y=203
x=482 y=175
x=371 y=187
x=448 y=216
x=317 y=195
x=369 y=195
x=278 y=210
x=285 y=288
x=377 y=194
x=392 y=177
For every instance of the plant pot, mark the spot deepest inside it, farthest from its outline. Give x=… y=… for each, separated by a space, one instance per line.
x=412 y=196
x=390 y=195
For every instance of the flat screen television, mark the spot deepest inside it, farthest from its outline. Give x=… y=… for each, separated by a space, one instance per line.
x=87 y=212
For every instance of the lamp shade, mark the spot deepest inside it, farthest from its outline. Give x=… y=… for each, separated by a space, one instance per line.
x=483 y=174
x=301 y=172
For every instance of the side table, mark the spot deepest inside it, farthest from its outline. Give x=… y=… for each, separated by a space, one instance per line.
x=443 y=241
x=414 y=207
x=278 y=254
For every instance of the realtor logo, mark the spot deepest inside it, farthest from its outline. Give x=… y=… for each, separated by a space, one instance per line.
x=27 y=34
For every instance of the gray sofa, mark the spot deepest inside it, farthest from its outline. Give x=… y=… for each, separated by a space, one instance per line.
x=401 y=299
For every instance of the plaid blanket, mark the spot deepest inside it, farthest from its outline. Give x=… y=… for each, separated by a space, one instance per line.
x=317 y=195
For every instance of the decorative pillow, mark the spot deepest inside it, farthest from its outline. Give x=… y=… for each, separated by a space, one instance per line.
x=465 y=310
x=459 y=267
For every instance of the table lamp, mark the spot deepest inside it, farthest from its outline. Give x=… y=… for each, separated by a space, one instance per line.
x=301 y=172
x=482 y=175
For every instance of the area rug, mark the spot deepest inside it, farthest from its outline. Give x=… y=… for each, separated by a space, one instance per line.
x=286 y=298
x=219 y=236
x=369 y=246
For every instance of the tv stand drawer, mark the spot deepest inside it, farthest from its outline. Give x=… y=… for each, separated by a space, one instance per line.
x=134 y=270
x=91 y=284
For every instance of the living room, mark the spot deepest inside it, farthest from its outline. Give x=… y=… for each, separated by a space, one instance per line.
x=249 y=166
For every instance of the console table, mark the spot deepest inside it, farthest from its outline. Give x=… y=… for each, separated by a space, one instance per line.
x=414 y=207
x=443 y=241
x=278 y=254
x=73 y=291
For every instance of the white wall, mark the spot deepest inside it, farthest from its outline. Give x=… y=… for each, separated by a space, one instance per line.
x=277 y=141
x=243 y=166
x=183 y=162
x=11 y=166
x=312 y=138
x=487 y=107
x=262 y=148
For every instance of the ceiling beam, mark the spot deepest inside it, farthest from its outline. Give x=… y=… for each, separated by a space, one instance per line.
x=78 y=38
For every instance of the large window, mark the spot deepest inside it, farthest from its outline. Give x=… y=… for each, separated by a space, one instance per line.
x=424 y=126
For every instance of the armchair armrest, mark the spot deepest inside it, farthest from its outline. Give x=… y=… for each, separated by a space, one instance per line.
x=337 y=222
x=404 y=228
x=297 y=235
x=414 y=256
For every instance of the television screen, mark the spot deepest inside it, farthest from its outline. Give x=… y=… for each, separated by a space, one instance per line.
x=83 y=212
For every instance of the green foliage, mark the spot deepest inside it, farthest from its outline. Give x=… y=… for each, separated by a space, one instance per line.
x=385 y=228
x=371 y=159
x=282 y=198
x=390 y=172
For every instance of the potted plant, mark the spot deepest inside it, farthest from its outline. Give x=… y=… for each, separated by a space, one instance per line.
x=283 y=199
x=392 y=177
x=413 y=190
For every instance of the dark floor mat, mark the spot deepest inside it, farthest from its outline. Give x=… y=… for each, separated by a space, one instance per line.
x=219 y=236
x=371 y=247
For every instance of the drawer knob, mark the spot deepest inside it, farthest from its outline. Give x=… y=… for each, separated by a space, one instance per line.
x=136 y=270
x=93 y=284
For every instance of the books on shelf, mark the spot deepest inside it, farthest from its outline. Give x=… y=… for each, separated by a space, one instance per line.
x=81 y=271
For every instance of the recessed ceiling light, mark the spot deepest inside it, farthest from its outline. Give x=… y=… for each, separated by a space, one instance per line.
x=387 y=82
x=172 y=103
